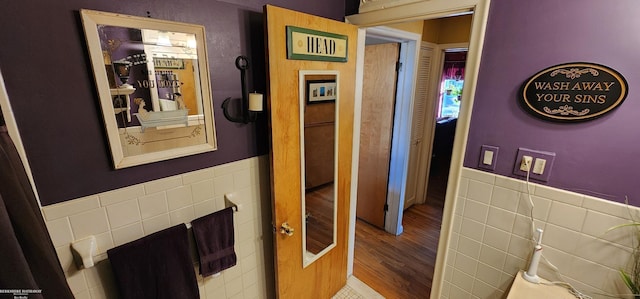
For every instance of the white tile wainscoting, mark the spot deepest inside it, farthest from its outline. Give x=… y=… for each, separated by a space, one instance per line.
x=491 y=235
x=489 y=241
x=123 y=215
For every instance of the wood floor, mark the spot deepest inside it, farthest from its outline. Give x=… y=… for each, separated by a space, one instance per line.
x=319 y=208
x=402 y=266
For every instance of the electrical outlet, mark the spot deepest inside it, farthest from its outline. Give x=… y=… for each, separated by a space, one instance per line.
x=525 y=163
x=539 y=166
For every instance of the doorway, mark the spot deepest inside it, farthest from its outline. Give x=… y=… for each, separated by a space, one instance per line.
x=390 y=206
x=479 y=8
x=402 y=169
x=402 y=265
x=448 y=97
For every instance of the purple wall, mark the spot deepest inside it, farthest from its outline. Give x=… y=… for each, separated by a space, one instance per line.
x=48 y=76
x=598 y=157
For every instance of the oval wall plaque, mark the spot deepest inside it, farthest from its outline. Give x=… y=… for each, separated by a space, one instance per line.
x=573 y=92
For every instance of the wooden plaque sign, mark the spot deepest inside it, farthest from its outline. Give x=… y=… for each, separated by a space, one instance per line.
x=573 y=92
x=307 y=44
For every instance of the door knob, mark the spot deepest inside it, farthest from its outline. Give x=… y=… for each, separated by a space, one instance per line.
x=285 y=229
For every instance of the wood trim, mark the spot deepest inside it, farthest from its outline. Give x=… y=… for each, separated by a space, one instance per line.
x=476 y=42
x=422 y=10
x=319 y=124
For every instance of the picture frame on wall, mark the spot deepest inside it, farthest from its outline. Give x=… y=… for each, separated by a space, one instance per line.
x=321 y=91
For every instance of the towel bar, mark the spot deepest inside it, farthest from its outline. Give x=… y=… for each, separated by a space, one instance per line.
x=228 y=203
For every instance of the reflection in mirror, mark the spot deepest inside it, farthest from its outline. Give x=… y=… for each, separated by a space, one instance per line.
x=153 y=82
x=318 y=130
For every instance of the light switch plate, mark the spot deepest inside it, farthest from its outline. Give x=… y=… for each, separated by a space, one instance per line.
x=486 y=150
x=535 y=154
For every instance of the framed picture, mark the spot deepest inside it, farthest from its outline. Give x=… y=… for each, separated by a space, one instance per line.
x=321 y=91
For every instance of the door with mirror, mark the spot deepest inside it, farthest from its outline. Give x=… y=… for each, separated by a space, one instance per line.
x=310 y=106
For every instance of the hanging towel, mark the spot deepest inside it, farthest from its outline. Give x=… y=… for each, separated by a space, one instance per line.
x=156 y=266
x=215 y=240
x=28 y=258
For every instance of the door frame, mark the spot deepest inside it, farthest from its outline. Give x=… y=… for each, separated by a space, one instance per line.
x=402 y=120
x=413 y=12
x=396 y=193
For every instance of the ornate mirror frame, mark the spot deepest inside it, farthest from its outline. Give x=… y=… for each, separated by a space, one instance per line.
x=168 y=128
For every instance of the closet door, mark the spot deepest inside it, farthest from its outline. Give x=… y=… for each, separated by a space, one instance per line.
x=422 y=128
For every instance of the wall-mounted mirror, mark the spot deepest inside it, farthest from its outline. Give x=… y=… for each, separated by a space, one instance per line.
x=153 y=82
x=318 y=144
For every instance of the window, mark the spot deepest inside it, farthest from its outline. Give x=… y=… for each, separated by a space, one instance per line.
x=451 y=84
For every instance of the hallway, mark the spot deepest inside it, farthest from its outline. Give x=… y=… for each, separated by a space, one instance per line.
x=402 y=266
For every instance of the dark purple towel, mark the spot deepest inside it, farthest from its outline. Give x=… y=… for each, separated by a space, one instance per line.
x=214 y=238
x=156 y=266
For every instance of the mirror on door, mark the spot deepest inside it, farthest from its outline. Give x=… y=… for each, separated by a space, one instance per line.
x=318 y=130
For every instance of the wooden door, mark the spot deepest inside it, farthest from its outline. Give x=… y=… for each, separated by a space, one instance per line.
x=186 y=84
x=378 y=102
x=327 y=275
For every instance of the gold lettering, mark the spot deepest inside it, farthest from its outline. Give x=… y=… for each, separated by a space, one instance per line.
x=576 y=87
x=608 y=85
x=558 y=86
x=590 y=99
x=588 y=85
x=553 y=97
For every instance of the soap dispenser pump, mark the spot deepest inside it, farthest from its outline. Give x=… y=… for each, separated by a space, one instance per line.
x=531 y=275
